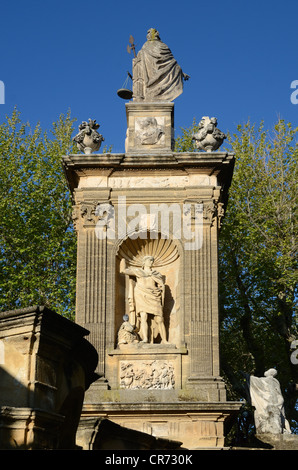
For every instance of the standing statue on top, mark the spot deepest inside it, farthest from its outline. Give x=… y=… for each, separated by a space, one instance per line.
x=156 y=74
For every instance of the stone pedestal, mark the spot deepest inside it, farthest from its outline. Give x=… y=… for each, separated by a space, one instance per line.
x=103 y=434
x=150 y=127
x=172 y=390
x=46 y=365
x=279 y=441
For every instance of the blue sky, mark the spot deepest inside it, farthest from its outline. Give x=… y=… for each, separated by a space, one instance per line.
x=242 y=57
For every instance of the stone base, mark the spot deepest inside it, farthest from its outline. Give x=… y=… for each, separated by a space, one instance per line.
x=279 y=441
x=46 y=366
x=27 y=429
x=150 y=127
x=194 y=425
x=207 y=388
x=102 y=434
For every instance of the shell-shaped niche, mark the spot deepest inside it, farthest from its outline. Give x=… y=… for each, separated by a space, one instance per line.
x=163 y=250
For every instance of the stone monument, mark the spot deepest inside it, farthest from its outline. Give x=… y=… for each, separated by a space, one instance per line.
x=148 y=222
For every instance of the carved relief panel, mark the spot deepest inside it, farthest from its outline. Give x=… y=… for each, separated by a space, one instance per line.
x=147 y=374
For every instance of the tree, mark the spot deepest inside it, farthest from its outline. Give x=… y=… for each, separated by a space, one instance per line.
x=258 y=259
x=37 y=240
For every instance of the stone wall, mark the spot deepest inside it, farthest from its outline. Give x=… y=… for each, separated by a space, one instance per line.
x=46 y=365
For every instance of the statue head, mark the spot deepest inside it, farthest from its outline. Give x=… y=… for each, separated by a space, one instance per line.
x=270 y=372
x=147 y=122
x=153 y=35
x=147 y=261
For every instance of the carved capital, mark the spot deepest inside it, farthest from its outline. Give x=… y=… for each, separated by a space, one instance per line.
x=208 y=207
x=86 y=214
x=211 y=208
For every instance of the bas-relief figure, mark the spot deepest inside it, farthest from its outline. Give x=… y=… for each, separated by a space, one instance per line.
x=156 y=74
x=146 y=299
x=266 y=397
x=149 y=131
x=150 y=375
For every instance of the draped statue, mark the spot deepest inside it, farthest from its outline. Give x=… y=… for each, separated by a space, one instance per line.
x=146 y=299
x=266 y=397
x=156 y=74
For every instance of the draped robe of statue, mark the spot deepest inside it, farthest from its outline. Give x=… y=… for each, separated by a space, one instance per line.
x=156 y=74
x=146 y=296
x=148 y=291
x=266 y=397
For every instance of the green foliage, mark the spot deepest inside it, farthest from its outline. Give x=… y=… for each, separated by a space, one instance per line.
x=37 y=241
x=258 y=259
x=184 y=143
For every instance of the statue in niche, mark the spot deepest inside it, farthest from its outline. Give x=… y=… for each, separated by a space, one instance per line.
x=156 y=74
x=126 y=333
x=146 y=299
x=266 y=397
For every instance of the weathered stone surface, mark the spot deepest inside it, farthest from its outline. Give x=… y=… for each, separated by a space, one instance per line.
x=46 y=367
x=279 y=441
x=195 y=425
x=103 y=434
x=150 y=127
